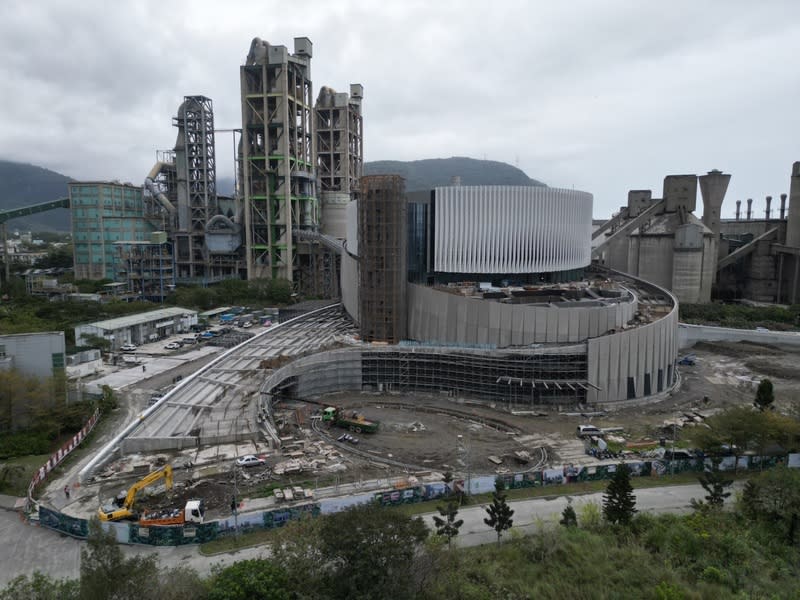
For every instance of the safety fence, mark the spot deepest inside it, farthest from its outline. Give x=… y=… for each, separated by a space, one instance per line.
x=558 y=477
x=59 y=455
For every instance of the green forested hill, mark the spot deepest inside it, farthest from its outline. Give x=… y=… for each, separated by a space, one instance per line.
x=431 y=172
x=22 y=184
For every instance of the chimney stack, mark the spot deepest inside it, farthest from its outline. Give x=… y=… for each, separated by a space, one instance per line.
x=749 y=208
x=738 y=209
x=769 y=201
x=793 y=218
x=783 y=206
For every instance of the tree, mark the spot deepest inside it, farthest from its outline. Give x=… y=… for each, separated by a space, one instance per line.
x=619 y=502
x=446 y=523
x=363 y=552
x=40 y=587
x=108 y=400
x=255 y=579
x=106 y=573
x=97 y=341
x=765 y=395
x=499 y=511
x=715 y=483
x=774 y=497
x=741 y=428
x=568 y=517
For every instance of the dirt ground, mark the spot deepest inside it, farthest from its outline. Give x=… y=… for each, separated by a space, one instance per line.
x=437 y=433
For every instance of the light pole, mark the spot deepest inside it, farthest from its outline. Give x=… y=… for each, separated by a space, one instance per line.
x=672 y=456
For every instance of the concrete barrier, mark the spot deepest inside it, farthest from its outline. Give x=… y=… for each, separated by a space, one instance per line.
x=689 y=335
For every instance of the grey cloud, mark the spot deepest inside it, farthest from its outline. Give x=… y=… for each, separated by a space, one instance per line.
x=603 y=96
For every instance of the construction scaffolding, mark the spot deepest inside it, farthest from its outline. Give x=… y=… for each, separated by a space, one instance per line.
x=147 y=267
x=278 y=154
x=382 y=247
x=554 y=376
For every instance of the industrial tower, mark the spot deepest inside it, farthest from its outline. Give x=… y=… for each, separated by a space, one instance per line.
x=195 y=165
x=340 y=139
x=278 y=157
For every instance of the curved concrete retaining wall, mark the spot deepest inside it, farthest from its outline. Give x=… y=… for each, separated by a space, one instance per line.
x=444 y=318
x=689 y=335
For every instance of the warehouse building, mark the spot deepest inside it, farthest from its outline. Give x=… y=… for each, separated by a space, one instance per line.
x=138 y=329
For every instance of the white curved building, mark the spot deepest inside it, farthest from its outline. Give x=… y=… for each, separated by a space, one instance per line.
x=511 y=229
x=501 y=303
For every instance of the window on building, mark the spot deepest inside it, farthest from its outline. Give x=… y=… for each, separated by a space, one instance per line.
x=2 y=351
x=58 y=360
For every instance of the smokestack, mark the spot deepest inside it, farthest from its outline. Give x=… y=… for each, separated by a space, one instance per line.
x=769 y=201
x=783 y=206
x=749 y=208
x=738 y=209
x=793 y=218
x=713 y=186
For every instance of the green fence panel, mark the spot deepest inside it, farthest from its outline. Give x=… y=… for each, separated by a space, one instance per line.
x=63 y=523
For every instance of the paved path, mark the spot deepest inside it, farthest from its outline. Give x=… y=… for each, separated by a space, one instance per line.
x=27 y=548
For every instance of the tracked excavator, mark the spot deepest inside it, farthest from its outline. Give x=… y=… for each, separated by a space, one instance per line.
x=121 y=510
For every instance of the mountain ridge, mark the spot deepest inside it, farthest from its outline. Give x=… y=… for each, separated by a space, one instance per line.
x=22 y=184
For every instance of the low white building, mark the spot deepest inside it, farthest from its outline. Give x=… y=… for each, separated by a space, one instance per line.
x=38 y=354
x=140 y=328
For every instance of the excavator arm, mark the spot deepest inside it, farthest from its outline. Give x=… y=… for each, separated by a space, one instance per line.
x=107 y=513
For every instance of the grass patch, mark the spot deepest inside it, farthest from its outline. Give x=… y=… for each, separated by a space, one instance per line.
x=231 y=544
x=16 y=473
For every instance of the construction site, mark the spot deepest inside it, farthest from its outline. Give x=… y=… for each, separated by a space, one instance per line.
x=469 y=332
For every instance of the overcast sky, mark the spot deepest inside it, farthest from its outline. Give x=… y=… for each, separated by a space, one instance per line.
x=599 y=96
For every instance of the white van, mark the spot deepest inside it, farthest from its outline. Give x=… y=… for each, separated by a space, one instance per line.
x=588 y=431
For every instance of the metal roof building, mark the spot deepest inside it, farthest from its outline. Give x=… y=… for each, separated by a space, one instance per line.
x=139 y=328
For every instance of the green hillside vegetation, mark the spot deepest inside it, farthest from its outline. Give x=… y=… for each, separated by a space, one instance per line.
x=429 y=173
x=741 y=316
x=370 y=552
x=22 y=184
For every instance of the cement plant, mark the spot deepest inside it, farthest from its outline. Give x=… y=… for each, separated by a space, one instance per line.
x=457 y=334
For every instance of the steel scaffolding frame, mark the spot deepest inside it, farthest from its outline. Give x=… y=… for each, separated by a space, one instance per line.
x=196 y=178
x=556 y=376
x=382 y=250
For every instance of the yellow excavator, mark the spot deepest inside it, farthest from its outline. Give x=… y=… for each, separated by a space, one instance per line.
x=120 y=510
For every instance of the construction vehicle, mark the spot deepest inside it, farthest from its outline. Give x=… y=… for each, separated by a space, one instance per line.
x=353 y=421
x=122 y=507
x=193 y=512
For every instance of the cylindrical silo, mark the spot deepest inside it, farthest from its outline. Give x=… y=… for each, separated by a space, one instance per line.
x=334 y=217
x=687 y=263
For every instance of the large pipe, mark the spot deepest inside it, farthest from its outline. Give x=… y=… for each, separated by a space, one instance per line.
x=783 y=207
x=150 y=184
x=738 y=209
x=766 y=211
x=749 y=208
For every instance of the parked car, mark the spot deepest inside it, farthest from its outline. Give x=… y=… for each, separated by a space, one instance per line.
x=128 y=348
x=247 y=325
x=188 y=340
x=172 y=346
x=588 y=431
x=250 y=460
